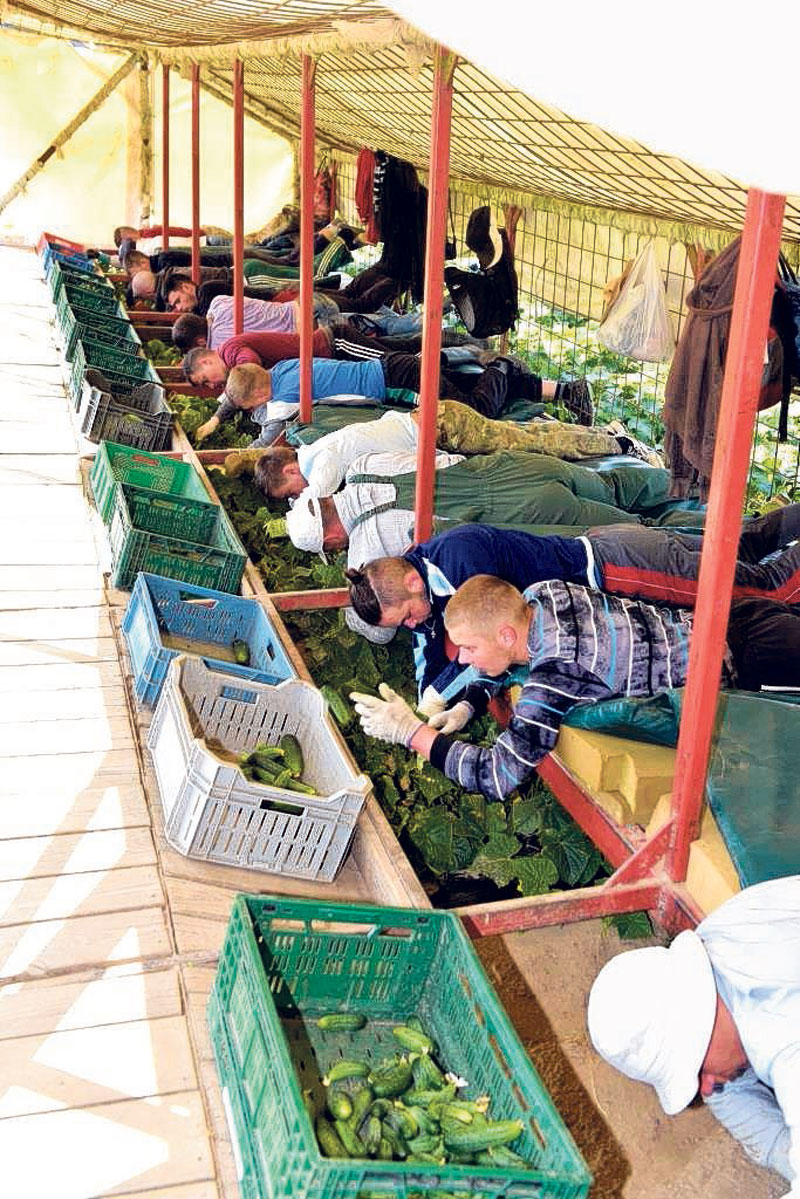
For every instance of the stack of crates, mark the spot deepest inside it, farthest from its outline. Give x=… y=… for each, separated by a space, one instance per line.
x=161 y=519
x=129 y=404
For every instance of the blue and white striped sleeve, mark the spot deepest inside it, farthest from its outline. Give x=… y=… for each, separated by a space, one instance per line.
x=532 y=732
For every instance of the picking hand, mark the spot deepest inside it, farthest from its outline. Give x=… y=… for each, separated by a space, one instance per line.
x=389 y=718
x=453 y=719
x=205 y=430
x=431 y=702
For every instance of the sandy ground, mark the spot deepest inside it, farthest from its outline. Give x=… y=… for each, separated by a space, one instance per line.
x=632 y=1149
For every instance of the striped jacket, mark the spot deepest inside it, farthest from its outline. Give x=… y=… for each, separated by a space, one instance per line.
x=583 y=646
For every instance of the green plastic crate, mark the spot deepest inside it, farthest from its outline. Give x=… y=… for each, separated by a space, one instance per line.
x=61 y=277
x=79 y=297
x=114 y=463
x=101 y=327
x=171 y=515
x=217 y=563
x=284 y=963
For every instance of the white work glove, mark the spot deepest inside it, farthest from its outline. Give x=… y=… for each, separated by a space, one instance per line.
x=431 y=703
x=453 y=719
x=389 y=718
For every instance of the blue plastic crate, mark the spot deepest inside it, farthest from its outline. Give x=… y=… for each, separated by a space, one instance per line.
x=161 y=607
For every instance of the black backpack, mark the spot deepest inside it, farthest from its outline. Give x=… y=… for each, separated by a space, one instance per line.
x=486 y=300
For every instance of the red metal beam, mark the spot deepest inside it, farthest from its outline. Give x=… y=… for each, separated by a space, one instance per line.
x=641 y=863
x=165 y=155
x=307 y=133
x=438 y=180
x=614 y=842
x=558 y=907
x=238 y=195
x=196 y=173
x=755 y=281
x=295 y=601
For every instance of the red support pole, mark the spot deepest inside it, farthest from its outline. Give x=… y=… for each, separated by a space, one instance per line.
x=444 y=69
x=307 y=122
x=165 y=155
x=755 y=281
x=196 y=173
x=238 y=196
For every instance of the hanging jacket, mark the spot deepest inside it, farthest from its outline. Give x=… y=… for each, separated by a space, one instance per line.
x=402 y=213
x=364 y=196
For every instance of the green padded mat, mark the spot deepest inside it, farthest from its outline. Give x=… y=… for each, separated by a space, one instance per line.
x=752 y=782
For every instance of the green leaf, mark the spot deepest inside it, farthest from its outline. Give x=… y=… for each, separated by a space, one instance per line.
x=494 y=859
x=431 y=783
x=443 y=840
x=535 y=875
x=472 y=810
x=630 y=925
x=526 y=817
x=496 y=821
x=571 y=851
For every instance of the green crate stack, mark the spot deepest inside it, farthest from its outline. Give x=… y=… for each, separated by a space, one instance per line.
x=285 y=963
x=108 y=330
x=61 y=276
x=218 y=562
x=114 y=463
x=127 y=370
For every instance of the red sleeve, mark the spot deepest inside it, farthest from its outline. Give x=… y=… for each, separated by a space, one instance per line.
x=264 y=348
x=158 y=231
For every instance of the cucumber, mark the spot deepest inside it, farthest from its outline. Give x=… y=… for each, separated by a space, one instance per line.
x=329 y=1142
x=349 y=1138
x=292 y=784
x=392 y=1080
x=362 y=1102
x=370 y=1133
x=385 y=1153
x=339 y=1104
x=380 y=1108
x=345 y=1069
x=267 y=777
x=469 y=1139
x=410 y=1038
x=241 y=652
x=427 y=1075
x=292 y=754
x=420 y=1098
x=454 y=1112
x=501 y=1155
x=342 y=1022
x=397 y=1144
x=403 y=1122
x=339 y=708
x=425 y=1142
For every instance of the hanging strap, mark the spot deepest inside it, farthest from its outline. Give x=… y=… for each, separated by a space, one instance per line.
x=370 y=512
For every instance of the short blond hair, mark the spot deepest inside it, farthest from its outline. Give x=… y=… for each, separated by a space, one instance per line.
x=484 y=603
x=244 y=381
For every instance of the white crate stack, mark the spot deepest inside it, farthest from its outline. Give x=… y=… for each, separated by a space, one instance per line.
x=212 y=812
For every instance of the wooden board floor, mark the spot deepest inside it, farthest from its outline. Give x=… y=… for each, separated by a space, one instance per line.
x=108 y=938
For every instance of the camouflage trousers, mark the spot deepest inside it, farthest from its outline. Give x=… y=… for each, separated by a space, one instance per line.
x=462 y=430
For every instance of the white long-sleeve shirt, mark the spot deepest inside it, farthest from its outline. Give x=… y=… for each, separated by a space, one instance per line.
x=753 y=944
x=325 y=462
x=260 y=316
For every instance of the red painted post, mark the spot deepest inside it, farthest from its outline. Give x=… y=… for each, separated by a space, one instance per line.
x=238 y=196
x=196 y=173
x=165 y=155
x=444 y=69
x=307 y=132
x=755 y=281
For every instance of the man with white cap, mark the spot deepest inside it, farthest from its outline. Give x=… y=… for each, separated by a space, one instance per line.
x=719 y=1012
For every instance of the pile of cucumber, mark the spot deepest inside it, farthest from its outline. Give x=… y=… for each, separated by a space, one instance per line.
x=277 y=765
x=407 y=1109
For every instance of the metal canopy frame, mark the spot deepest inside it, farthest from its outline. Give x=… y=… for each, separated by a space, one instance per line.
x=650 y=873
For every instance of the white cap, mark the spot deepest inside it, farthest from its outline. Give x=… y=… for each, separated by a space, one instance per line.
x=304 y=523
x=651 y=1015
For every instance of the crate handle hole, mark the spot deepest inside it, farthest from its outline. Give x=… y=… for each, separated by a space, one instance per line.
x=537 y=1132
x=479 y=1016
x=520 y=1098
x=284 y=924
x=465 y=987
x=398 y=934
x=498 y=1053
x=275 y=805
x=340 y=928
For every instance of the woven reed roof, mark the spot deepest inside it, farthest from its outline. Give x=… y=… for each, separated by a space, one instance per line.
x=374 y=77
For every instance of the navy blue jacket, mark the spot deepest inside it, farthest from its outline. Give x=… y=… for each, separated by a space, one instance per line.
x=447 y=561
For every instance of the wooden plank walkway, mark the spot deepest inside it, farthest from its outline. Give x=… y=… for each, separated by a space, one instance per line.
x=108 y=938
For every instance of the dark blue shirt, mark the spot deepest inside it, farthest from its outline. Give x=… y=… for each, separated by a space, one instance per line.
x=447 y=561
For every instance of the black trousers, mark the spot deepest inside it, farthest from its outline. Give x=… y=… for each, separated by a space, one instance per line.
x=487 y=394
x=764 y=639
x=663 y=565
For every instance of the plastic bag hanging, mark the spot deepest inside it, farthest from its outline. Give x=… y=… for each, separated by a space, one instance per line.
x=638 y=323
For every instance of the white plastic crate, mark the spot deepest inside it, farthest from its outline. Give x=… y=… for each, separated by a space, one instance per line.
x=212 y=812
